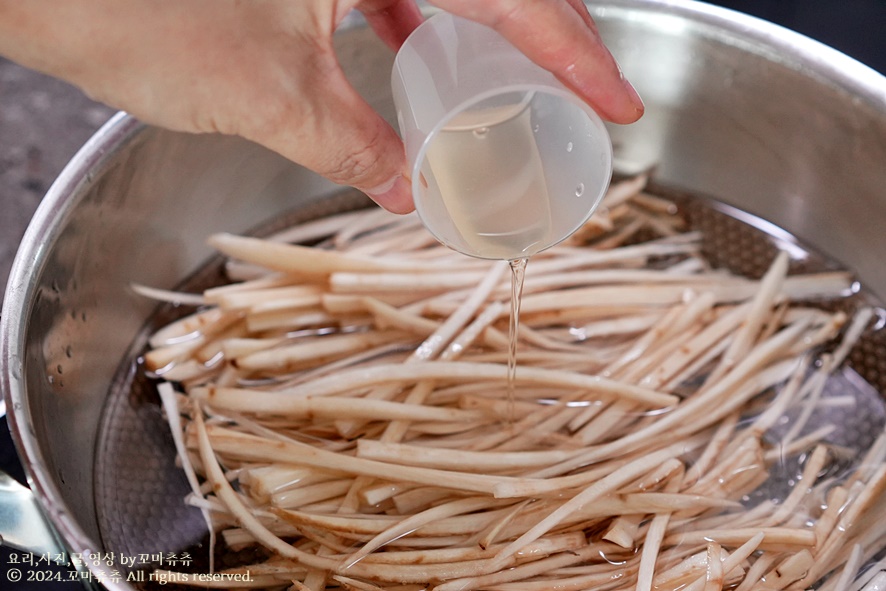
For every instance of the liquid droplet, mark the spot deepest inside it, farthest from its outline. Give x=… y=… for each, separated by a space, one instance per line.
x=569 y=147
x=481 y=132
x=579 y=189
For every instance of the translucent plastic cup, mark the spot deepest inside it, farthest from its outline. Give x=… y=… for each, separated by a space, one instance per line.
x=506 y=161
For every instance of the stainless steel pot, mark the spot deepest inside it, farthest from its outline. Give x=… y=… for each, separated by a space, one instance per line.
x=766 y=120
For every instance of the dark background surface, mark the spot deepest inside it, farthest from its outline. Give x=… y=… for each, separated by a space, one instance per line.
x=43 y=122
x=855 y=27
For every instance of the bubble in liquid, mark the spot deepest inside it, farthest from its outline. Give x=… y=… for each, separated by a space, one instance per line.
x=481 y=132
x=569 y=147
x=535 y=128
x=579 y=189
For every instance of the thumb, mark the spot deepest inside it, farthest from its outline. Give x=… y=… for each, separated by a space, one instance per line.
x=329 y=128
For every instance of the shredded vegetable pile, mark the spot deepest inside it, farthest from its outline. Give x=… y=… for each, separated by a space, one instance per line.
x=344 y=404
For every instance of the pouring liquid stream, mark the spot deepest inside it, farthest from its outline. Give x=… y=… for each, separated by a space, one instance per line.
x=518 y=274
x=504 y=192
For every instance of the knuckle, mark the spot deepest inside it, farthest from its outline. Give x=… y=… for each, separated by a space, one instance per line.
x=360 y=162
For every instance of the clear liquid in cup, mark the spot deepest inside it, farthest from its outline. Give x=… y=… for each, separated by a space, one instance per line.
x=490 y=176
x=509 y=175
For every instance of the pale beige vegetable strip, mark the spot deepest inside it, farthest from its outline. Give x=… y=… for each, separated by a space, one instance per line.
x=762 y=303
x=306 y=261
x=458 y=371
x=617 y=478
x=654 y=536
x=250 y=447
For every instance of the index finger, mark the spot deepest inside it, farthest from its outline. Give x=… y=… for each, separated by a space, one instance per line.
x=560 y=36
x=392 y=20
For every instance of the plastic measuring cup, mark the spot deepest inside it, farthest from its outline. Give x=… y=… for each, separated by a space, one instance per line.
x=506 y=161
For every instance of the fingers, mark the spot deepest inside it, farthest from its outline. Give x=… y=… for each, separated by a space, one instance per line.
x=350 y=144
x=392 y=20
x=361 y=149
x=560 y=36
x=329 y=128
x=582 y=9
x=346 y=141
x=309 y=112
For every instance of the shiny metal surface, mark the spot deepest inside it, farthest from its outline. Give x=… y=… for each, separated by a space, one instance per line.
x=103 y=230
x=763 y=119
x=769 y=121
x=24 y=526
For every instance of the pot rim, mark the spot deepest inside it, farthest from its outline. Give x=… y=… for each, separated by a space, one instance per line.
x=41 y=233
x=777 y=43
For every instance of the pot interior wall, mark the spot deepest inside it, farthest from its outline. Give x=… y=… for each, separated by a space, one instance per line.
x=731 y=112
x=142 y=220
x=778 y=126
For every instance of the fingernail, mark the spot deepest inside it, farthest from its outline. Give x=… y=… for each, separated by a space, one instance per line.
x=394 y=195
x=634 y=96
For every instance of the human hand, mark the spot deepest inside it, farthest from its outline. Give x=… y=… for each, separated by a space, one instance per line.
x=267 y=70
